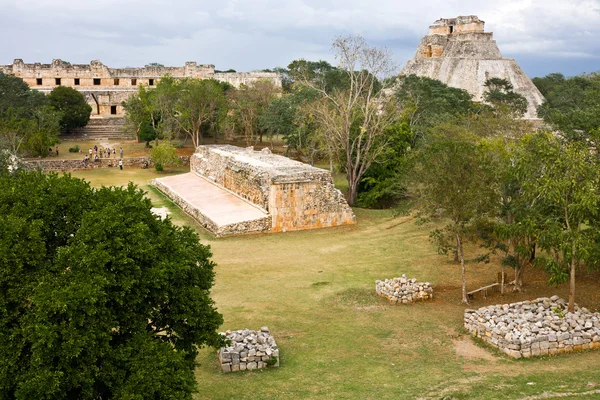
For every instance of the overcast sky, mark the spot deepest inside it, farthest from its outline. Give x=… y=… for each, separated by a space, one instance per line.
x=542 y=35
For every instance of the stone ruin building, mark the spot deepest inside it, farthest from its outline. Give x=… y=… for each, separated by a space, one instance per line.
x=231 y=190
x=106 y=88
x=459 y=53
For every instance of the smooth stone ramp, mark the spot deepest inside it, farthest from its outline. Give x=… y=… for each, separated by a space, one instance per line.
x=217 y=209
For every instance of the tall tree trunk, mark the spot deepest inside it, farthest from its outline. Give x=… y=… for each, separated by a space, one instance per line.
x=572 y=284
x=456 y=259
x=330 y=164
x=518 y=277
x=502 y=281
x=572 y=280
x=352 y=192
x=463 y=270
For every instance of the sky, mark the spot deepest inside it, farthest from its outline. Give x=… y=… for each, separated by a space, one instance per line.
x=543 y=36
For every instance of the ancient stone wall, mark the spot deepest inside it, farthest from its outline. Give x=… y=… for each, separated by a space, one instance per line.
x=49 y=164
x=403 y=290
x=106 y=88
x=248 y=350
x=307 y=204
x=535 y=328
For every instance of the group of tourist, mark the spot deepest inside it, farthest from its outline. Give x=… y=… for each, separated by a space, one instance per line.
x=96 y=153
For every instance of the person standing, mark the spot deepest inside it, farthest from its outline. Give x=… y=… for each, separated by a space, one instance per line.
x=121 y=164
x=56 y=151
x=121 y=152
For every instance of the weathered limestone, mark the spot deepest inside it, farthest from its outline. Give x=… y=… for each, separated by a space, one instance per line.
x=459 y=53
x=49 y=164
x=106 y=88
x=217 y=210
x=293 y=195
x=403 y=290
x=248 y=350
x=535 y=328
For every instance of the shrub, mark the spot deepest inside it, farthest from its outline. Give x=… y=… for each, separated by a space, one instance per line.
x=74 y=149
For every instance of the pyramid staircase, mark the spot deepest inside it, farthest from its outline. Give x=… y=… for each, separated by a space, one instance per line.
x=101 y=129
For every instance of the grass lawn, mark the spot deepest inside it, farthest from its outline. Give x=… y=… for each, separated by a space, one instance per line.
x=338 y=340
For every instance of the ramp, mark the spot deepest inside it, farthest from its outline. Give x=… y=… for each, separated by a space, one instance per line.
x=215 y=208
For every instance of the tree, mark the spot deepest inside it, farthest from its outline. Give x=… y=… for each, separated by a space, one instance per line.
x=501 y=96
x=456 y=178
x=74 y=110
x=27 y=124
x=572 y=105
x=248 y=103
x=164 y=155
x=198 y=107
x=94 y=307
x=427 y=102
x=354 y=120
x=563 y=177
x=383 y=184
x=147 y=133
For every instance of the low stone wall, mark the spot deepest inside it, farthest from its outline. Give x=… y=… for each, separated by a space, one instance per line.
x=403 y=290
x=257 y=225
x=46 y=164
x=248 y=350
x=535 y=328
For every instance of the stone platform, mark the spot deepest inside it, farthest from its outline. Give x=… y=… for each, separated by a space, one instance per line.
x=218 y=210
x=535 y=328
x=231 y=190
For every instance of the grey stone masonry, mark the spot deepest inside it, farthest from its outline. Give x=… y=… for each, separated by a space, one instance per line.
x=49 y=164
x=248 y=350
x=535 y=328
x=403 y=290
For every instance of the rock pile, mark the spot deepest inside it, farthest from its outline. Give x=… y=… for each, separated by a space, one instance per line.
x=535 y=328
x=249 y=350
x=403 y=290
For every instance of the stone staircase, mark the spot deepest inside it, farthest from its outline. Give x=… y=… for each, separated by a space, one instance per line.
x=101 y=129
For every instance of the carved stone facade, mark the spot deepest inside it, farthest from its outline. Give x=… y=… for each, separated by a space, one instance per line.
x=106 y=88
x=289 y=195
x=459 y=53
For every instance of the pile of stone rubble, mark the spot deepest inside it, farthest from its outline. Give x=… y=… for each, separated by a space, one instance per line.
x=535 y=328
x=248 y=350
x=403 y=290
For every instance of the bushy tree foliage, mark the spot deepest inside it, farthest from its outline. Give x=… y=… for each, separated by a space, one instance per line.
x=563 y=177
x=428 y=102
x=248 y=103
x=99 y=298
x=456 y=178
x=164 y=155
x=147 y=132
x=189 y=107
x=500 y=95
x=28 y=125
x=572 y=105
x=74 y=110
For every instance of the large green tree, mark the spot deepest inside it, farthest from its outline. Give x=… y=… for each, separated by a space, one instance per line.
x=99 y=298
x=74 y=110
x=563 y=177
x=572 y=105
x=27 y=124
x=456 y=178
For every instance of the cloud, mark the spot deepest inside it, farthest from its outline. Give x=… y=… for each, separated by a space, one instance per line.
x=254 y=34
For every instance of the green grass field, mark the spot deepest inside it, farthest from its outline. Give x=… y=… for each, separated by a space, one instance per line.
x=338 y=340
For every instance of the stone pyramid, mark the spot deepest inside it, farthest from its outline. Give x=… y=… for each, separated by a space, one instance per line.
x=459 y=53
